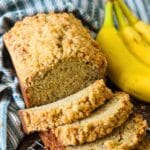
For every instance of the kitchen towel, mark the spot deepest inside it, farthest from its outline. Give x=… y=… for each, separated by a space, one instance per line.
x=91 y=11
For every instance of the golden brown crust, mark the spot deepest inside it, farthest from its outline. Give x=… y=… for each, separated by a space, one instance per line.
x=40 y=42
x=25 y=96
x=97 y=125
x=126 y=142
x=72 y=108
x=50 y=141
x=126 y=137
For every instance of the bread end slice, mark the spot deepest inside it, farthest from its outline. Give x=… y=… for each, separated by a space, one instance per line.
x=131 y=134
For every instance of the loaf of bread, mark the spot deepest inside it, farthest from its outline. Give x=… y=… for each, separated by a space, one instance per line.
x=54 y=57
x=98 y=124
x=67 y=110
x=126 y=137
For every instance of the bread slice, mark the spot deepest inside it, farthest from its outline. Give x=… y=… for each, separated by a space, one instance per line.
x=125 y=137
x=54 y=57
x=98 y=124
x=67 y=110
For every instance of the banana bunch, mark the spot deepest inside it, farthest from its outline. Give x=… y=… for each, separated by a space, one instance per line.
x=127 y=50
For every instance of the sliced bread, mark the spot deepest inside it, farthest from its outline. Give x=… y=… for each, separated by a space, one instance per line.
x=125 y=137
x=67 y=110
x=98 y=124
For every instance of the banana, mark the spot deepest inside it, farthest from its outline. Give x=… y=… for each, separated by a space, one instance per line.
x=135 y=43
x=124 y=69
x=142 y=28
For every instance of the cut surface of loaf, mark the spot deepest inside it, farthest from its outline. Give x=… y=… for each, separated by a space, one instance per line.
x=98 y=124
x=67 y=110
x=125 y=137
x=54 y=57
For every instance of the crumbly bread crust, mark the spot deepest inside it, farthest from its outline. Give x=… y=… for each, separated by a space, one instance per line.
x=67 y=110
x=98 y=124
x=39 y=43
x=125 y=137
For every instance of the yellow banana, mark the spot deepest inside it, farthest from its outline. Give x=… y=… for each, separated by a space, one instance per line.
x=125 y=70
x=142 y=28
x=135 y=43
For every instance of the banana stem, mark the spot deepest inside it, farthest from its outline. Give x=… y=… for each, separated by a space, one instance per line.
x=108 y=20
x=121 y=20
x=128 y=13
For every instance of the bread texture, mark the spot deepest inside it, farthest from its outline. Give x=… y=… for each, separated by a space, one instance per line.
x=125 y=137
x=54 y=57
x=98 y=124
x=67 y=110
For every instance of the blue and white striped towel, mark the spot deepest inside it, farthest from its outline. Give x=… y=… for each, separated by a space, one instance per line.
x=11 y=100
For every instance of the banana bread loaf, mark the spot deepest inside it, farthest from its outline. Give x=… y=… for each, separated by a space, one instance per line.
x=98 y=124
x=54 y=57
x=67 y=110
x=126 y=137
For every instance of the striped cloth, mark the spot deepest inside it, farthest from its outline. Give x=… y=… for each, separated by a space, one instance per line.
x=91 y=11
